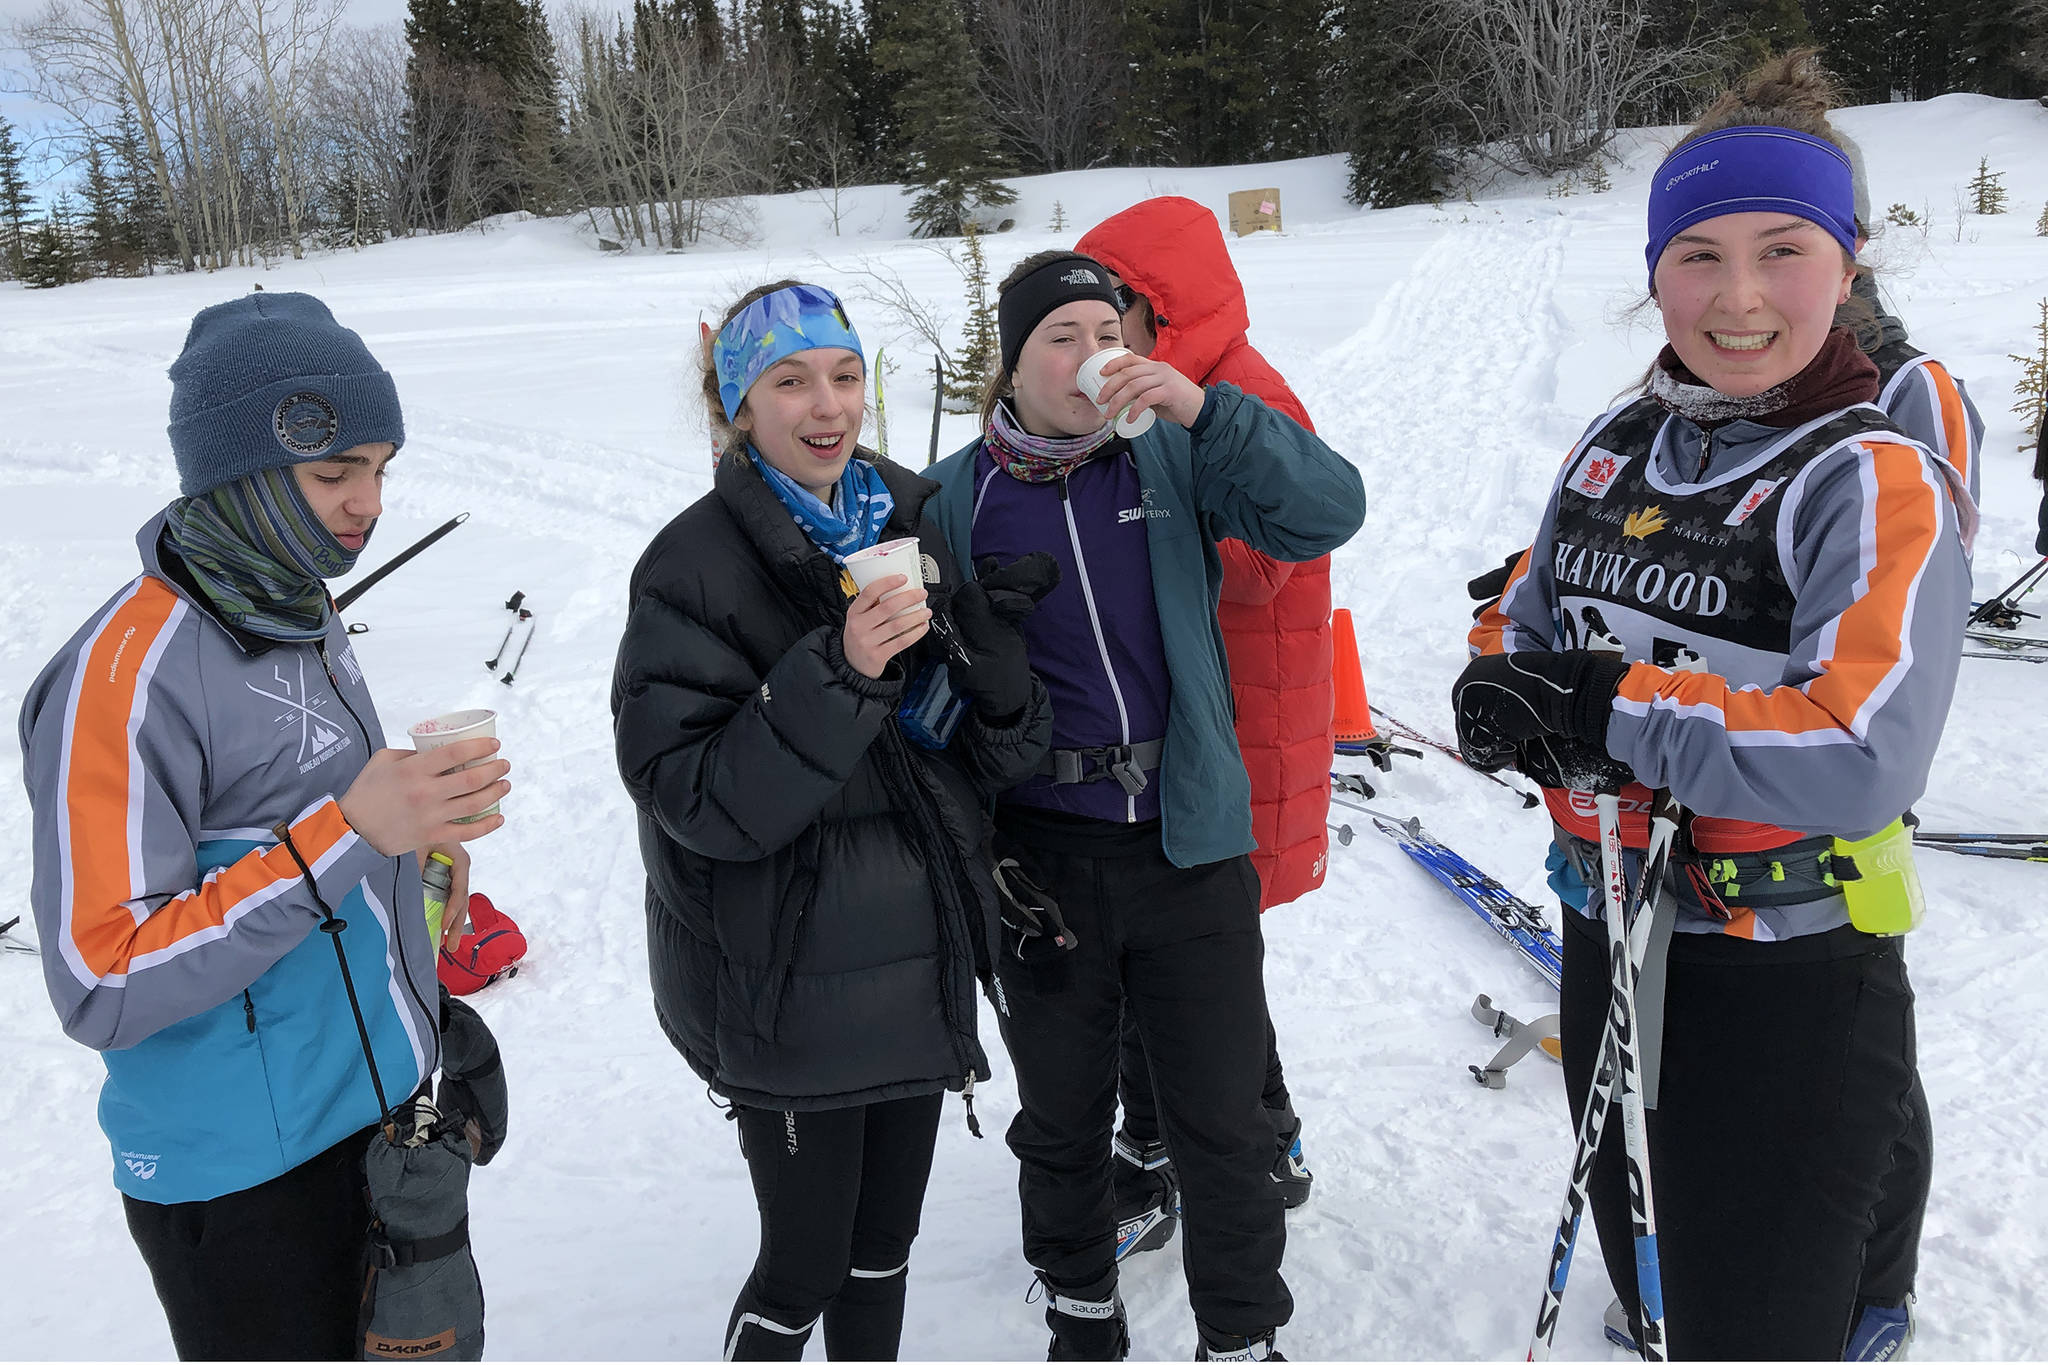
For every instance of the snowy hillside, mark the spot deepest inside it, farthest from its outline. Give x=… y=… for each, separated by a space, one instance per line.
x=1452 y=353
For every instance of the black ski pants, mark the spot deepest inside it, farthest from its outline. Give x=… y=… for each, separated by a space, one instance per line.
x=1789 y=1082
x=840 y=1192
x=1134 y=1082
x=1180 y=949
x=273 y=1272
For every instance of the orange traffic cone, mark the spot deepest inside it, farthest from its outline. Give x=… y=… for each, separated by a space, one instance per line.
x=1353 y=720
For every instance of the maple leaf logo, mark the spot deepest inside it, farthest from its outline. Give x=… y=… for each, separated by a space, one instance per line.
x=1601 y=470
x=1643 y=523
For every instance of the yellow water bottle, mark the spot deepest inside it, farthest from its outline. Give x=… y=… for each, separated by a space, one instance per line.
x=439 y=878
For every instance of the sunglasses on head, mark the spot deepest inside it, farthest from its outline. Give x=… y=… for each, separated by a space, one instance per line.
x=1126 y=297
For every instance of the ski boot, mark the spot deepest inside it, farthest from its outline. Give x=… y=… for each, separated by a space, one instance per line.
x=1087 y=1324
x=1213 y=1345
x=1881 y=1332
x=1147 y=1196
x=1290 y=1168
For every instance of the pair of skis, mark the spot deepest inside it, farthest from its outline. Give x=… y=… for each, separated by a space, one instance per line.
x=520 y=616
x=1993 y=622
x=2031 y=848
x=10 y=944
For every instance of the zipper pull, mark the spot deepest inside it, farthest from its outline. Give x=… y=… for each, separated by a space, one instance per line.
x=249 y=1011
x=967 y=1097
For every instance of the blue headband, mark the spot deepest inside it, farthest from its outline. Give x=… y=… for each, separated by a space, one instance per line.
x=1752 y=170
x=802 y=317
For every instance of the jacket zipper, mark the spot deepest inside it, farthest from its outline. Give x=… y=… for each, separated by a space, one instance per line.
x=432 y=1017
x=249 y=1011
x=1101 y=645
x=934 y=831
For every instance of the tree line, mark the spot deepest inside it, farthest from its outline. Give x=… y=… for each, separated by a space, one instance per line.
x=203 y=133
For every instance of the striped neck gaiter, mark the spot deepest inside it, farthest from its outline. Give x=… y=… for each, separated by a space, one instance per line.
x=259 y=554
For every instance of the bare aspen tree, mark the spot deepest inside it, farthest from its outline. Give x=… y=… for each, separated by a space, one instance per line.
x=1541 y=85
x=82 y=54
x=1052 y=73
x=286 y=40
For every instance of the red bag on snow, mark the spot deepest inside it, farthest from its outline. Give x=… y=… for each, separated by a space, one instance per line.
x=490 y=949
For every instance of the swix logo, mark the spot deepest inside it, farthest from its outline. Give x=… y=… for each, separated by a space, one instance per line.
x=1759 y=493
x=318 y=740
x=1002 y=1000
x=1598 y=473
x=141 y=1167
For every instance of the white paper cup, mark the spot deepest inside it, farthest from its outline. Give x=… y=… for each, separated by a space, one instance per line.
x=879 y=561
x=1089 y=377
x=458 y=725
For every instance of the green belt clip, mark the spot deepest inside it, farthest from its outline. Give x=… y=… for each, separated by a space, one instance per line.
x=1879 y=881
x=1721 y=872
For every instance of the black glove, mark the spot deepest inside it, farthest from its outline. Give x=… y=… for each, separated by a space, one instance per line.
x=1504 y=700
x=1554 y=761
x=988 y=615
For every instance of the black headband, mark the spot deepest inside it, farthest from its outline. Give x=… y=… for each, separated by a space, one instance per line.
x=1053 y=285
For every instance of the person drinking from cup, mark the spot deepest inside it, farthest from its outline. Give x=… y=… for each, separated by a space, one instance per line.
x=1131 y=884
x=1754 y=510
x=810 y=759
x=1183 y=305
x=210 y=784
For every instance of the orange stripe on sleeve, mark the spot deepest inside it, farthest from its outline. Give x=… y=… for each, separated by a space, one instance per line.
x=1955 y=419
x=1869 y=637
x=1486 y=636
x=104 y=796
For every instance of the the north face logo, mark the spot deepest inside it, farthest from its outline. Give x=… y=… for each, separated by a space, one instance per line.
x=1080 y=276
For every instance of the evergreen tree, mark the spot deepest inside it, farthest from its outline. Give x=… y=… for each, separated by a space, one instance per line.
x=14 y=228
x=2003 y=47
x=2033 y=386
x=981 y=346
x=145 y=226
x=1987 y=189
x=489 y=66
x=50 y=257
x=947 y=150
x=1391 y=133
x=106 y=246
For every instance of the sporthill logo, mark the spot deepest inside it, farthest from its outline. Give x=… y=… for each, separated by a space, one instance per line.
x=1081 y=275
x=1598 y=475
x=1643 y=523
x=306 y=424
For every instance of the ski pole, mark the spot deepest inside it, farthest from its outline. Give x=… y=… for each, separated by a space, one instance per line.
x=1530 y=800
x=1627 y=949
x=520 y=658
x=938 y=405
x=342 y=602
x=2037 y=854
x=1921 y=836
x=2004 y=609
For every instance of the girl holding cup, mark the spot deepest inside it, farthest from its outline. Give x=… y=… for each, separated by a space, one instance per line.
x=1137 y=824
x=810 y=798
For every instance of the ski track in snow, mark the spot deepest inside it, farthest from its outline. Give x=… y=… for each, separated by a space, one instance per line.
x=1452 y=353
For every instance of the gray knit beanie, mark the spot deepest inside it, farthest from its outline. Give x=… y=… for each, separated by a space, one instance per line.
x=1859 y=183
x=271 y=380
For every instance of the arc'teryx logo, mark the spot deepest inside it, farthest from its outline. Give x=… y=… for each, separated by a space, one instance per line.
x=1140 y=513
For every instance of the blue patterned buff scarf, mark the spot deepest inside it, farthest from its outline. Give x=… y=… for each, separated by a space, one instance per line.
x=860 y=506
x=260 y=554
x=802 y=317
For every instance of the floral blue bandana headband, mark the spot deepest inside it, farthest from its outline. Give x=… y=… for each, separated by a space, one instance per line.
x=1752 y=170
x=802 y=317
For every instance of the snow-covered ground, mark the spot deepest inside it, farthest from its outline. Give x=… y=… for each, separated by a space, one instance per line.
x=1452 y=353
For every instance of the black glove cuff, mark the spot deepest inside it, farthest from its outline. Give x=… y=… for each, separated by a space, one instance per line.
x=1592 y=704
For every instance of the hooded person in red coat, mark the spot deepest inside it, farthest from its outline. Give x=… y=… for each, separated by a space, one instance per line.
x=1186 y=307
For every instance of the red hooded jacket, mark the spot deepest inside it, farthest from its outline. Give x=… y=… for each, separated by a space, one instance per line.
x=1275 y=616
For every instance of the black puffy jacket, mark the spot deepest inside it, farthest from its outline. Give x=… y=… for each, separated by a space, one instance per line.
x=818 y=895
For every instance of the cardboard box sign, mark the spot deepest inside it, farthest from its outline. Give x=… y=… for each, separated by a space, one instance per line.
x=1254 y=211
